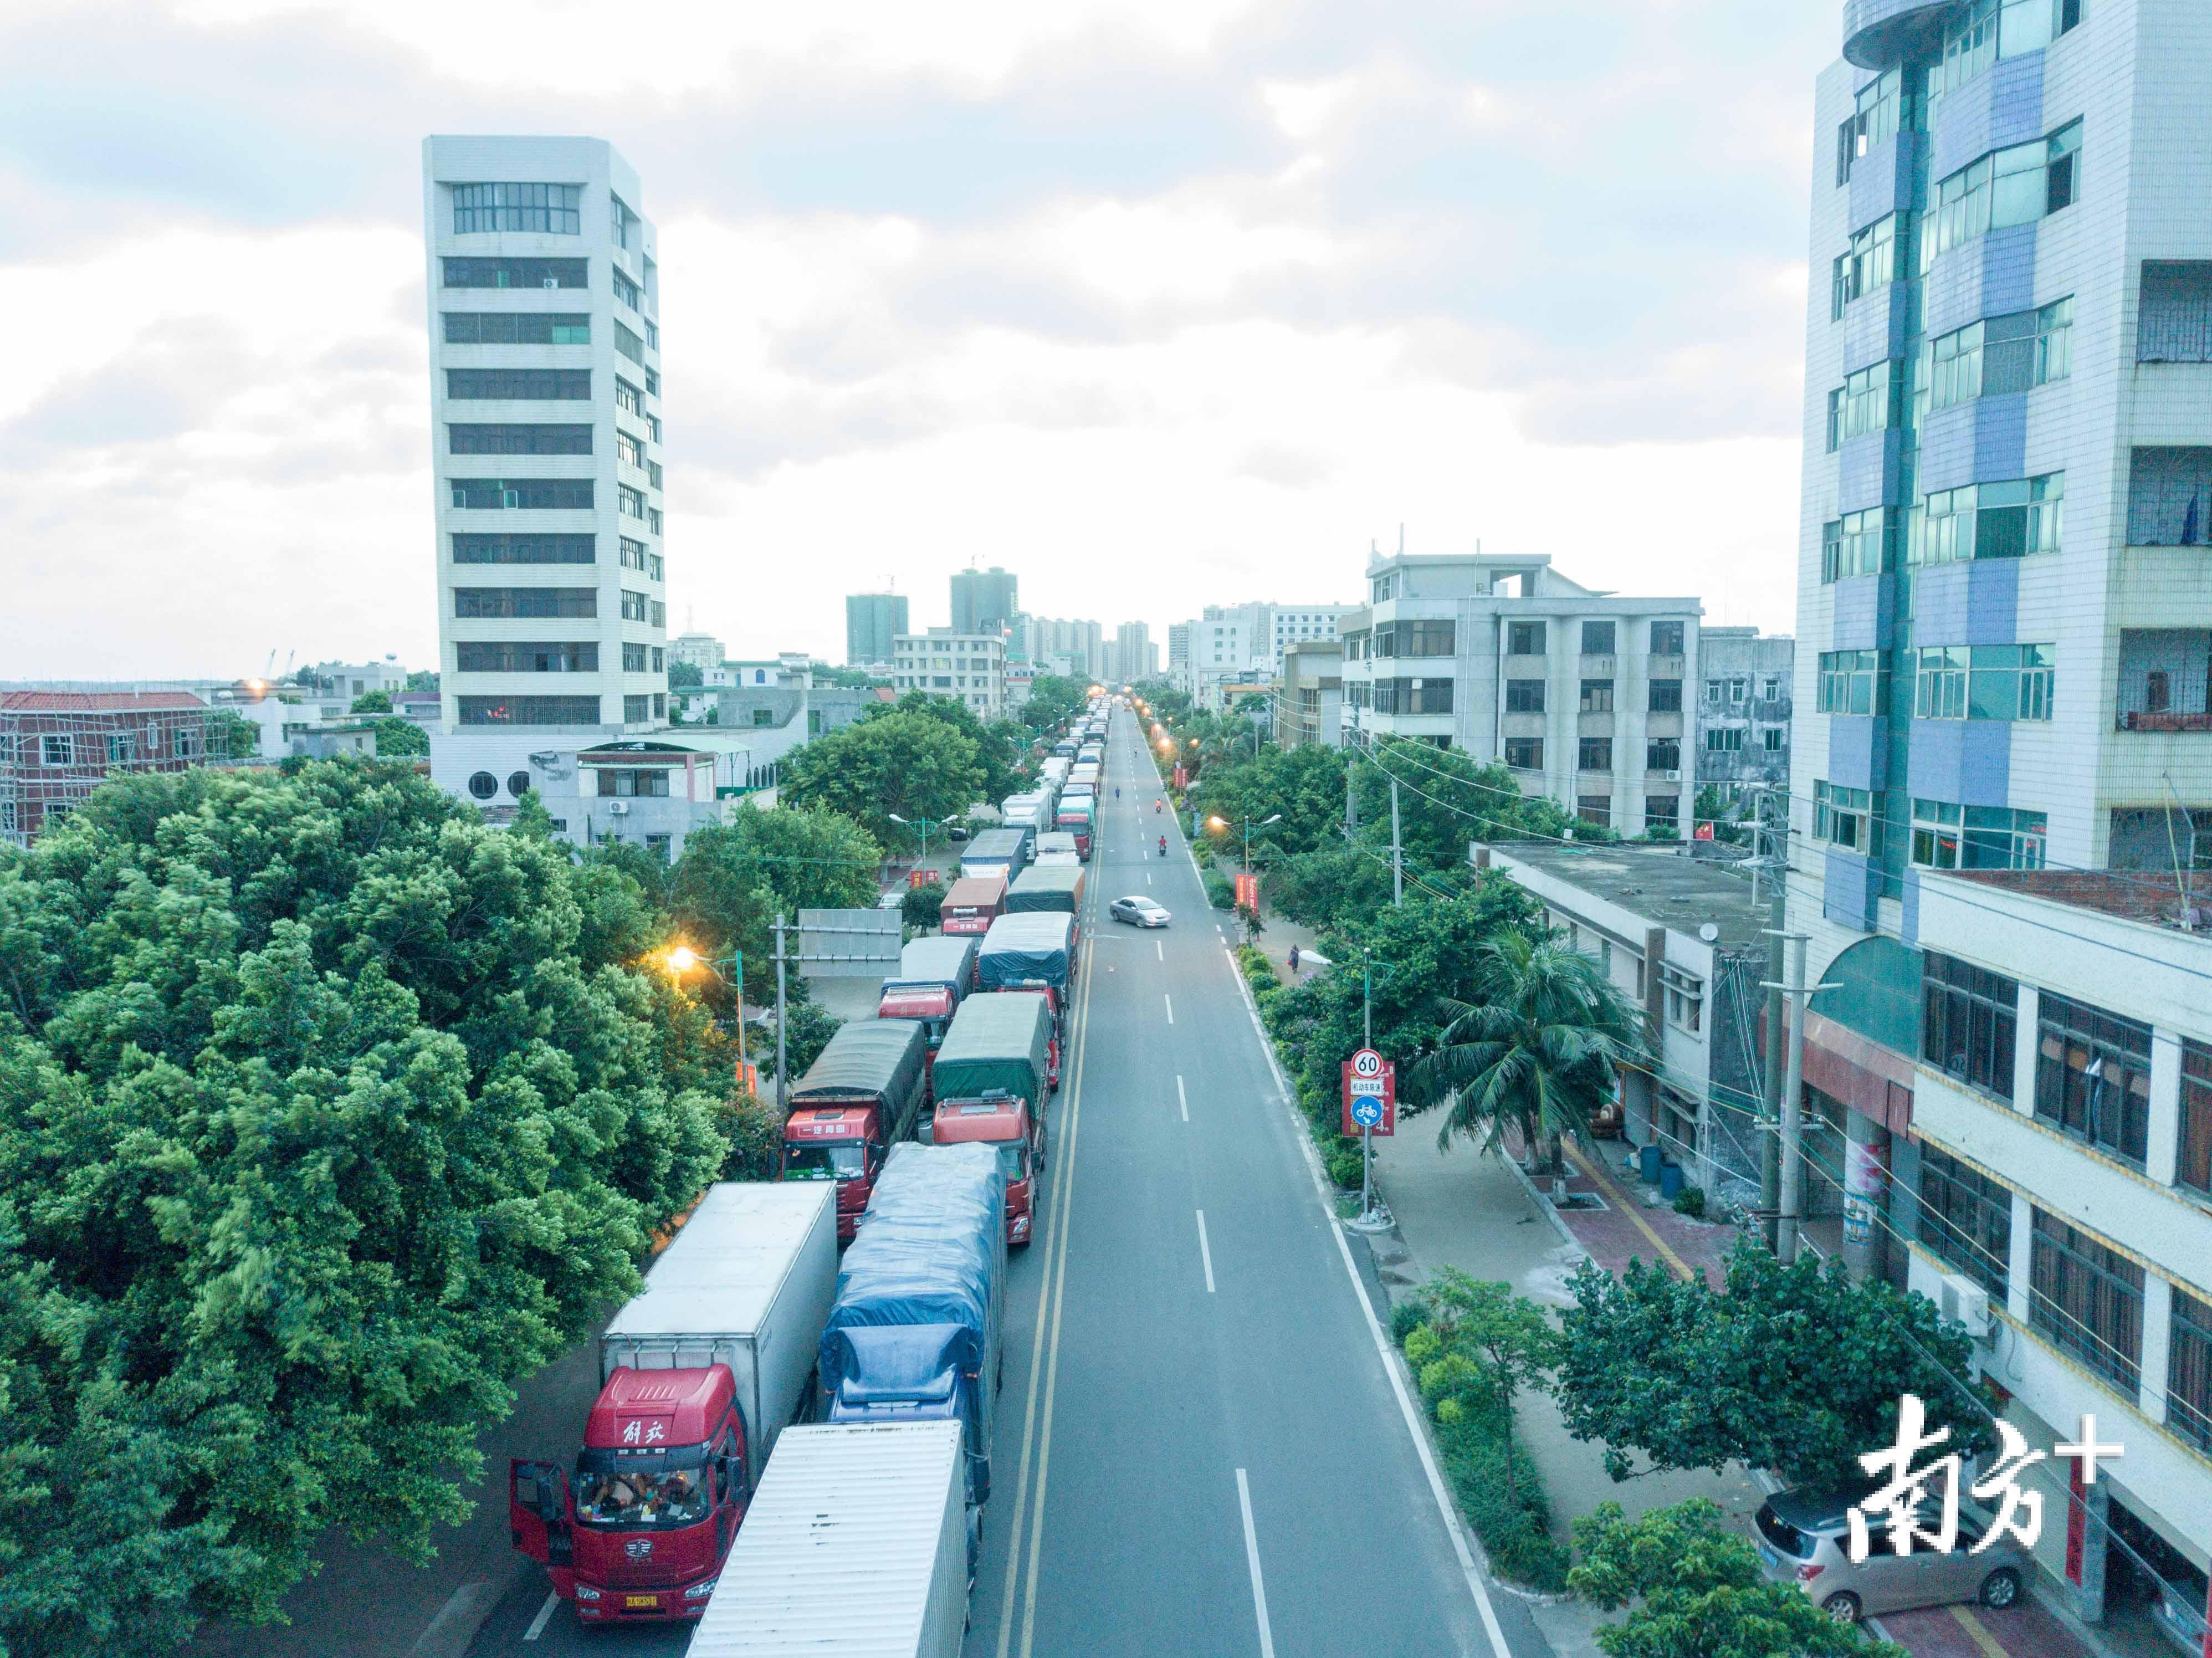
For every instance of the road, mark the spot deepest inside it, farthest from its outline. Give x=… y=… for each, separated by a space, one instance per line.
x=1199 y=1449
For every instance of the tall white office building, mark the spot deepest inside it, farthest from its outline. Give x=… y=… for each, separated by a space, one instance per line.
x=545 y=404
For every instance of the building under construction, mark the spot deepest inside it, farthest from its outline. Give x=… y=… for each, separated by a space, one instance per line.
x=59 y=745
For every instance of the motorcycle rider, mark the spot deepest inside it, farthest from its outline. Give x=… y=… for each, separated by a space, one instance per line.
x=1164 y=846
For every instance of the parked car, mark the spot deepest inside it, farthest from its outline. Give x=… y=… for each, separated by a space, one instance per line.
x=895 y=899
x=1804 y=1537
x=957 y=832
x=1138 y=911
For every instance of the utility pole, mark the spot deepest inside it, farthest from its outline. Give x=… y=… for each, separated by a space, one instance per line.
x=1366 y=999
x=1790 y=1200
x=782 y=1083
x=1397 y=853
x=1770 y=1149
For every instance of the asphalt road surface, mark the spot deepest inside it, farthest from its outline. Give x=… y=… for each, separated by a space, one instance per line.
x=1200 y=1450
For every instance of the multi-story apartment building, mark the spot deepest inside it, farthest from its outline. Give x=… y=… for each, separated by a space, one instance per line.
x=985 y=601
x=1178 y=667
x=1743 y=712
x=1072 y=648
x=546 y=409
x=699 y=650
x=872 y=621
x=2004 y=608
x=59 y=743
x=948 y=663
x=1312 y=705
x=1134 y=654
x=1582 y=693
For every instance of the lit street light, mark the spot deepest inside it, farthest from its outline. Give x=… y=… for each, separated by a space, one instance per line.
x=1220 y=824
x=680 y=959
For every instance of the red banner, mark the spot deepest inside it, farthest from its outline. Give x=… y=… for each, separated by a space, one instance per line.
x=1248 y=892
x=1182 y=776
x=920 y=878
x=1369 y=1093
x=1703 y=832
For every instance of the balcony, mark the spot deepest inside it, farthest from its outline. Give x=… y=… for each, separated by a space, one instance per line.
x=2165 y=720
x=2165 y=680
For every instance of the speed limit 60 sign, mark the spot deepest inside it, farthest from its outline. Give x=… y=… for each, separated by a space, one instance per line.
x=1371 y=1094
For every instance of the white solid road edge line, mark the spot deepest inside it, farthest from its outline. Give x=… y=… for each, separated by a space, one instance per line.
x=1454 y=1526
x=1205 y=1252
x=1252 y=1560
x=538 y=1624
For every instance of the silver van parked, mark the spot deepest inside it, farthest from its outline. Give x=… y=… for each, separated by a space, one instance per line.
x=1804 y=1537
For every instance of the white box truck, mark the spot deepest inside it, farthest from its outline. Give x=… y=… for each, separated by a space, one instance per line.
x=857 y=1545
x=701 y=1372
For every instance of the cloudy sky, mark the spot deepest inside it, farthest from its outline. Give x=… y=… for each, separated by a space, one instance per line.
x=1159 y=303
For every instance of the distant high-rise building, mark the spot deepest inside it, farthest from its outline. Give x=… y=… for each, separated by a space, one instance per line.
x=545 y=417
x=1131 y=658
x=872 y=621
x=1179 y=649
x=984 y=601
x=971 y=668
x=696 y=650
x=1080 y=645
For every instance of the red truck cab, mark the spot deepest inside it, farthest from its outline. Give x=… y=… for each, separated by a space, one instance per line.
x=930 y=1007
x=1005 y=1120
x=844 y=1143
x=657 y=1496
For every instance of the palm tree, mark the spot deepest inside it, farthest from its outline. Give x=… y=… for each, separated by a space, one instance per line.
x=1538 y=1053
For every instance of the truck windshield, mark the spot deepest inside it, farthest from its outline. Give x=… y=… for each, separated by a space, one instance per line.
x=1014 y=1162
x=640 y=1497
x=846 y=1161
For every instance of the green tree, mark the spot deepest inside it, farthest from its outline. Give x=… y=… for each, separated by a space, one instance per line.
x=808 y=1027
x=423 y=679
x=530 y=818
x=1329 y=889
x=754 y=1130
x=400 y=739
x=372 y=703
x=734 y=876
x=1516 y=1340
x=998 y=746
x=850 y=679
x=684 y=675
x=916 y=765
x=923 y=906
x=1537 y=1053
x=1695 y=1590
x=326 y=1113
x=1695 y=1378
x=232 y=736
x=1054 y=699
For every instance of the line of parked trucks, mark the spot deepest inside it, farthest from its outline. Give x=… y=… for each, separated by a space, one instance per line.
x=918 y=1140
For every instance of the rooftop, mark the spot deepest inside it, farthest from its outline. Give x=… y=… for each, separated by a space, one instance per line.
x=2130 y=894
x=96 y=701
x=1665 y=884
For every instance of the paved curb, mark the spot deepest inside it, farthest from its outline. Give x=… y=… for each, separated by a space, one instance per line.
x=1536 y=1196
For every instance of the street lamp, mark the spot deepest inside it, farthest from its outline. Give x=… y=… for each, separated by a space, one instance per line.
x=921 y=826
x=680 y=959
x=1220 y=822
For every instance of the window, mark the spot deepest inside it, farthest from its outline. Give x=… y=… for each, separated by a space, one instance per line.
x=1868 y=401
x=1666 y=638
x=518 y=440
x=2092 y=1076
x=630 y=502
x=1597 y=696
x=659 y=613
x=1871 y=263
x=1597 y=638
x=630 y=345
x=1594 y=754
x=1524 y=696
x=482 y=785
x=1663 y=754
x=517 y=273
x=1524 y=639
x=633 y=606
x=1981 y=33
x=1997 y=355
x=2189 y=1370
x=519 y=384
x=636 y=710
x=651 y=335
x=1525 y=753
x=524 y=549
x=627 y=783
x=633 y=553
x=502 y=602
x=1970 y=1019
x=628 y=291
x=1989 y=521
x=653 y=519
x=1723 y=739
x=1966 y=1219
x=1940 y=684
x=525 y=494
x=1774 y=738
x=1663 y=811
x=2012 y=186
x=653 y=382
x=1595 y=808
x=2087 y=1299
x=632 y=658
x=629 y=397
x=1851 y=682
x=529 y=710
x=122 y=748
x=659 y=660
x=1684 y=995
x=629 y=449
x=764 y=716
x=2170 y=497
x=1666 y=696
x=1413 y=638
x=618 y=220
x=2174 y=323
x=549 y=209
x=1846 y=818
x=517 y=328
x=1412 y=696
x=1880 y=113
x=2008 y=681
x=503 y=656
x=1948 y=836
x=2193 y=1167
x=517 y=784
x=1857 y=544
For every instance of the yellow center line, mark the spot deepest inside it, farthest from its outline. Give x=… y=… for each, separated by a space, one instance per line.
x=1614 y=1196
x=1979 y=1632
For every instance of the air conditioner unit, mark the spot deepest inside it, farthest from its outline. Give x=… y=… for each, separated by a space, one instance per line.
x=1964 y=1302
x=1674 y=776
x=617 y=808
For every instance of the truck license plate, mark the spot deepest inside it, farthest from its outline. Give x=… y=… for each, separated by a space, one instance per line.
x=640 y=1602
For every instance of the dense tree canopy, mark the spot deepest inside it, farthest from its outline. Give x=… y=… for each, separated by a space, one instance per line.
x=1000 y=747
x=1054 y=699
x=900 y=760
x=398 y=738
x=734 y=876
x=325 y=1113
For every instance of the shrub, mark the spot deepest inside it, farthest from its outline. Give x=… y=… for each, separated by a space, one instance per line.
x=1410 y=1330
x=1346 y=1170
x=1691 y=1201
x=1220 y=890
